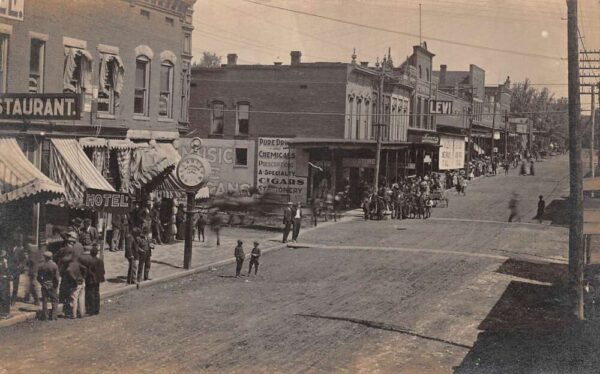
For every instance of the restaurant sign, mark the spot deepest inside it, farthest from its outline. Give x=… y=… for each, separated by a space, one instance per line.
x=106 y=201
x=13 y=9
x=40 y=106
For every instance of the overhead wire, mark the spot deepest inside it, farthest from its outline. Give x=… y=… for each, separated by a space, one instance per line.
x=441 y=40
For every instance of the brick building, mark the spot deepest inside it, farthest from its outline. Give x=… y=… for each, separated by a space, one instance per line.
x=322 y=115
x=127 y=64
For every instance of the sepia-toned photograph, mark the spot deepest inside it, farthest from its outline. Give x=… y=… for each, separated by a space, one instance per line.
x=299 y=186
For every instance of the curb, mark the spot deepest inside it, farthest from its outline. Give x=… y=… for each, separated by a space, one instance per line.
x=28 y=316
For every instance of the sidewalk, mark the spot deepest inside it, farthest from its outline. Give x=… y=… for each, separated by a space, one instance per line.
x=167 y=262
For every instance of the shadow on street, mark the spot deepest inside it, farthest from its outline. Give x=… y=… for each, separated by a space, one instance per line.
x=531 y=329
x=557 y=212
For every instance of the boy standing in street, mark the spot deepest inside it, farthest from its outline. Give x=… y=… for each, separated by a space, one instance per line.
x=254 y=258
x=95 y=276
x=239 y=258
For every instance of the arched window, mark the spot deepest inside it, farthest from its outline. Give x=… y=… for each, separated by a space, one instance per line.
x=142 y=85
x=358 y=118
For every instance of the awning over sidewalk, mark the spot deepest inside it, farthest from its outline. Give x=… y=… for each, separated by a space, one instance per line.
x=150 y=164
x=20 y=179
x=71 y=167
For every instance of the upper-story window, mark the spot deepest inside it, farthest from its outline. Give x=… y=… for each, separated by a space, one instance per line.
x=217 y=119
x=78 y=70
x=185 y=89
x=165 y=103
x=36 y=65
x=427 y=74
x=187 y=43
x=110 y=82
x=420 y=72
x=3 y=61
x=243 y=118
x=142 y=85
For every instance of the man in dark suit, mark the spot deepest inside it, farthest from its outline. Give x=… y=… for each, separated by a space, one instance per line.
x=88 y=236
x=131 y=254
x=95 y=276
x=288 y=218
x=297 y=221
x=48 y=277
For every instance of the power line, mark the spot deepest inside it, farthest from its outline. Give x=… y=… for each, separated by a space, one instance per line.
x=462 y=44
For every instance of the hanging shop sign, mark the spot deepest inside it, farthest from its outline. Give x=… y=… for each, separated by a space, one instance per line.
x=12 y=9
x=358 y=162
x=440 y=107
x=40 y=106
x=106 y=201
x=276 y=169
x=452 y=152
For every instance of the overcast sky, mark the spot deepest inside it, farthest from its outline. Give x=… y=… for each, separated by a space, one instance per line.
x=259 y=34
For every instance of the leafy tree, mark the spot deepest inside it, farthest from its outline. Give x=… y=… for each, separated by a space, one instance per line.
x=209 y=60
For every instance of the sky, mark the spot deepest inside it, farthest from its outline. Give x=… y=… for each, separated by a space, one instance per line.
x=528 y=38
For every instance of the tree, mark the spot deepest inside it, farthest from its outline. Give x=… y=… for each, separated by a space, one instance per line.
x=209 y=60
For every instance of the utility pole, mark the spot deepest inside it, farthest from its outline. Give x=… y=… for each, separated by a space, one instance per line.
x=471 y=111
x=493 y=130
x=575 y=164
x=592 y=136
x=379 y=125
x=506 y=136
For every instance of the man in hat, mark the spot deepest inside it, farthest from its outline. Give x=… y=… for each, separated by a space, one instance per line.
x=69 y=252
x=95 y=276
x=238 y=252
x=4 y=285
x=254 y=258
x=297 y=221
x=48 y=278
x=157 y=229
x=216 y=222
x=180 y=222
x=144 y=251
x=76 y=224
x=288 y=218
x=117 y=227
x=34 y=260
x=88 y=236
x=131 y=254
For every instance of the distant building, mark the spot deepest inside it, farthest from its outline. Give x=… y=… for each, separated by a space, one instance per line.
x=322 y=114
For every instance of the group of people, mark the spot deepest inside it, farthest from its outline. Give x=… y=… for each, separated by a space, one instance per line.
x=240 y=256
x=409 y=198
x=71 y=276
x=292 y=221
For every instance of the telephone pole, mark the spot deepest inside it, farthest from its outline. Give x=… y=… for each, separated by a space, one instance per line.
x=575 y=164
x=380 y=124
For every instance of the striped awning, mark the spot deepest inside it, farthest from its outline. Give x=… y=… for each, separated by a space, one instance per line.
x=20 y=179
x=150 y=165
x=71 y=168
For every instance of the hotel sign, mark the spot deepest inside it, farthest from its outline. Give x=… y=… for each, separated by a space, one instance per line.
x=13 y=9
x=106 y=201
x=40 y=106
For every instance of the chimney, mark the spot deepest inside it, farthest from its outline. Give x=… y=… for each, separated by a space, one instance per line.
x=442 y=82
x=231 y=59
x=296 y=57
x=364 y=64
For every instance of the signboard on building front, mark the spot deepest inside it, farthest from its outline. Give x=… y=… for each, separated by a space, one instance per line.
x=13 y=9
x=358 y=162
x=276 y=169
x=106 y=201
x=452 y=152
x=227 y=175
x=40 y=106
x=440 y=107
x=423 y=138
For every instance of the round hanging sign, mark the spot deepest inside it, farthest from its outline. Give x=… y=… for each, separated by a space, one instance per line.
x=193 y=171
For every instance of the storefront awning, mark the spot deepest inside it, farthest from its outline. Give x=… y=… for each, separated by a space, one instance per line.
x=20 y=179
x=150 y=165
x=344 y=143
x=71 y=168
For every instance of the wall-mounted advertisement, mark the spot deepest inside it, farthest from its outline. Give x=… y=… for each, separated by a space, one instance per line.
x=452 y=152
x=276 y=170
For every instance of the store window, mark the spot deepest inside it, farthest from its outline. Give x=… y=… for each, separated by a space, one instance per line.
x=110 y=83
x=241 y=157
x=36 y=66
x=217 y=119
x=142 y=80
x=165 y=102
x=243 y=118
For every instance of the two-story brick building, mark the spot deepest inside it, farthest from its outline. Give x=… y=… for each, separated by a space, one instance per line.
x=126 y=63
x=308 y=124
